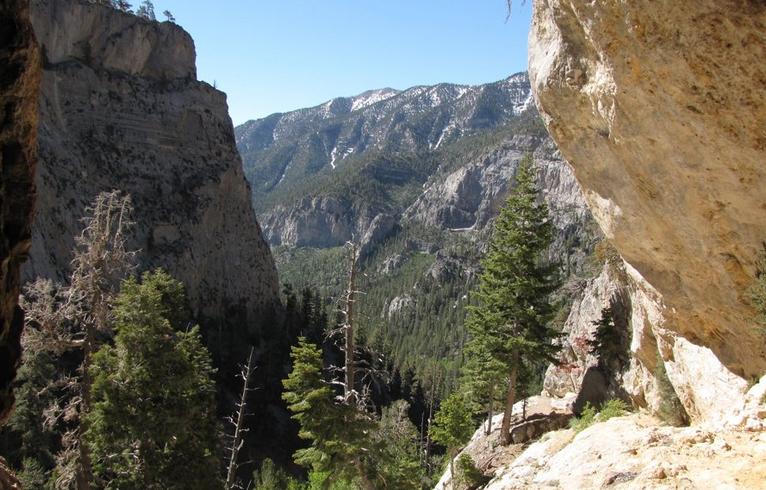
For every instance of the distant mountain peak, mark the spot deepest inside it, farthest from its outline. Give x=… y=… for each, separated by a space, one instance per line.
x=283 y=149
x=371 y=97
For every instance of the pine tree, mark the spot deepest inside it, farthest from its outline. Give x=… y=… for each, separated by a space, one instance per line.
x=511 y=320
x=397 y=462
x=338 y=432
x=146 y=10
x=153 y=423
x=33 y=396
x=607 y=343
x=482 y=378
x=452 y=426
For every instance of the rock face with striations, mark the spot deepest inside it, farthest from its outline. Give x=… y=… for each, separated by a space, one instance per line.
x=659 y=108
x=19 y=84
x=121 y=108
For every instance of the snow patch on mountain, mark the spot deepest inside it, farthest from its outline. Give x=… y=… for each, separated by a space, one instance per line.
x=445 y=132
x=284 y=172
x=372 y=97
x=336 y=155
x=520 y=107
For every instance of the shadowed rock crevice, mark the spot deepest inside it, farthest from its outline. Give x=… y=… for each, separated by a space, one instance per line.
x=19 y=85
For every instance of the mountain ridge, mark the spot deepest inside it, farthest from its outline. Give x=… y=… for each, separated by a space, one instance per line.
x=416 y=180
x=309 y=141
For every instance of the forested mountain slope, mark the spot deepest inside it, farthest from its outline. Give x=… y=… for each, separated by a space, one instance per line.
x=416 y=178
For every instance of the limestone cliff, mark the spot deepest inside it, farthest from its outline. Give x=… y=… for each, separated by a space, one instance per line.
x=19 y=84
x=470 y=197
x=121 y=108
x=659 y=108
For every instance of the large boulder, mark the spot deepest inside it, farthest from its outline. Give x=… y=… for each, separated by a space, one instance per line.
x=659 y=108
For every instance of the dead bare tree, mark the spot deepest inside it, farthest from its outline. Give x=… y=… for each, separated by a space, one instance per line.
x=348 y=327
x=100 y=262
x=65 y=318
x=237 y=440
x=344 y=334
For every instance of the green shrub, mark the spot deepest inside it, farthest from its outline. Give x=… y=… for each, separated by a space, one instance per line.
x=324 y=480
x=589 y=416
x=671 y=409
x=272 y=477
x=613 y=408
x=585 y=420
x=468 y=475
x=33 y=474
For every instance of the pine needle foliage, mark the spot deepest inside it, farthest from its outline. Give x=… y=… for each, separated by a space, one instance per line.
x=608 y=343
x=338 y=432
x=397 y=462
x=453 y=426
x=512 y=318
x=153 y=422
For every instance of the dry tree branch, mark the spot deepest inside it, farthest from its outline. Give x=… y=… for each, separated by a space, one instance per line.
x=239 y=425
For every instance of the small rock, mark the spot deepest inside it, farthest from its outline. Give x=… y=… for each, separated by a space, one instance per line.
x=753 y=425
x=721 y=445
x=620 y=477
x=656 y=471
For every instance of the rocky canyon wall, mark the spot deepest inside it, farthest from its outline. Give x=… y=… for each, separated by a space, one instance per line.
x=121 y=108
x=19 y=84
x=659 y=108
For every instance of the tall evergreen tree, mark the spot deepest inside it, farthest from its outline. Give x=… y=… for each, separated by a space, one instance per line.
x=152 y=425
x=338 y=432
x=452 y=426
x=396 y=459
x=511 y=320
x=482 y=378
x=608 y=343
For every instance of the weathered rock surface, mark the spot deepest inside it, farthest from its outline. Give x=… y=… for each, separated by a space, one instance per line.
x=659 y=109
x=121 y=108
x=543 y=414
x=469 y=198
x=20 y=73
x=400 y=305
x=325 y=222
x=632 y=452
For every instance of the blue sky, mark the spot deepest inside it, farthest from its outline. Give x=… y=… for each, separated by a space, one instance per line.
x=278 y=55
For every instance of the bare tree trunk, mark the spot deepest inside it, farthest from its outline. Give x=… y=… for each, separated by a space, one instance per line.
x=366 y=483
x=510 y=399
x=350 y=347
x=100 y=263
x=490 y=407
x=451 y=455
x=239 y=425
x=524 y=410
x=422 y=453
x=85 y=470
